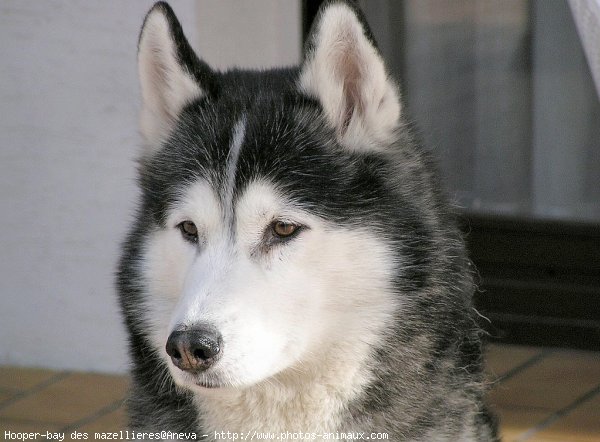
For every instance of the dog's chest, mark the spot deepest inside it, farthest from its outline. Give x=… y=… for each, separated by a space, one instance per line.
x=274 y=412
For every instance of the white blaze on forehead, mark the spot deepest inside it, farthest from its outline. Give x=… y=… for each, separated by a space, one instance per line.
x=239 y=131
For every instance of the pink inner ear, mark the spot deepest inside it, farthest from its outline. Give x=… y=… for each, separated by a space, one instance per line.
x=154 y=71
x=158 y=76
x=350 y=74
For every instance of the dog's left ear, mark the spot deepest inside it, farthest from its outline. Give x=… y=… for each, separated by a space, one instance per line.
x=345 y=72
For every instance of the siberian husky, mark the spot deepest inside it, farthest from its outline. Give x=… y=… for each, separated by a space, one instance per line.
x=294 y=271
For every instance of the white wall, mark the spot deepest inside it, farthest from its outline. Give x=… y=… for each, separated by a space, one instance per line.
x=68 y=135
x=254 y=33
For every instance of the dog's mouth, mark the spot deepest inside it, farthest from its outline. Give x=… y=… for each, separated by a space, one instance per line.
x=207 y=380
x=208 y=384
x=198 y=381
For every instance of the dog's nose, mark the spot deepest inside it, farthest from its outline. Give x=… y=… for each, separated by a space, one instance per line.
x=194 y=349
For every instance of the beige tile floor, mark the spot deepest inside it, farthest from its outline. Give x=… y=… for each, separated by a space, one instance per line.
x=540 y=395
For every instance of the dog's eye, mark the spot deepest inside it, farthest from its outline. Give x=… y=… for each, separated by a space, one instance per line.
x=189 y=231
x=283 y=229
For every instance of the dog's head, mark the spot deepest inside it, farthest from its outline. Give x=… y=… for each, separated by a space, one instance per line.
x=270 y=206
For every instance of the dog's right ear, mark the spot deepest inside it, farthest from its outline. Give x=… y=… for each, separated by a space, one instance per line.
x=171 y=75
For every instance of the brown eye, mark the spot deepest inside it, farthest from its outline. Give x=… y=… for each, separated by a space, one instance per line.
x=189 y=231
x=283 y=229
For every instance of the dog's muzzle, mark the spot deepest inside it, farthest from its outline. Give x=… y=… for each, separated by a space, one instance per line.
x=194 y=349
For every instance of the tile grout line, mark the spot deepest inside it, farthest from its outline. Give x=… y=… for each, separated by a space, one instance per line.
x=559 y=414
x=35 y=389
x=113 y=406
x=522 y=367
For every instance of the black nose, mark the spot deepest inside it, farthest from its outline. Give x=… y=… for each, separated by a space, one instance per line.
x=194 y=349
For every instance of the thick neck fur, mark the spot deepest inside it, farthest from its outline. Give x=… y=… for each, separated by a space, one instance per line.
x=306 y=398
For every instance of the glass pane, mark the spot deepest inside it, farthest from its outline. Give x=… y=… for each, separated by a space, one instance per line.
x=503 y=94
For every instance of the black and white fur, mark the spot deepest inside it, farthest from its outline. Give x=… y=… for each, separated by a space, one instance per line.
x=362 y=320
